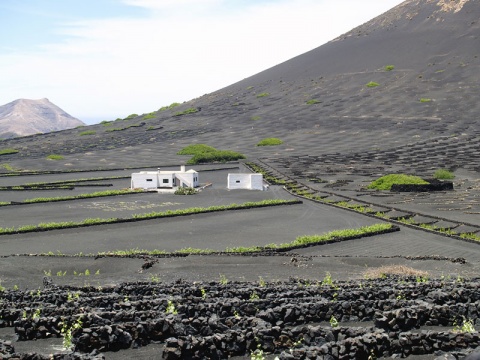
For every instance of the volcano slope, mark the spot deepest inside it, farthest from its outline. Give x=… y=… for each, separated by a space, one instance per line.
x=162 y=294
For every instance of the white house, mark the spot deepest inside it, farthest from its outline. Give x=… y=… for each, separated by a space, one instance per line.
x=165 y=179
x=245 y=181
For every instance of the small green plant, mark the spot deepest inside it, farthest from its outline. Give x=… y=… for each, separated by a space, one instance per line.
x=66 y=331
x=389 y=67
x=61 y=273
x=333 y=322
x=255 y=118
x=466 y=327
x=204 y=293
x=236 y=314
x=425 y=100
x=327 y=280
x=87 y=272
x=313 y=102
x=2 y=288
x=421 y=279
x=47 y=273
x=154 y=278
x=264 y=94
x=261 y=282
x=8 y=151
x=270 y=142
x=36 y=314
x=171 y=308
x=443 y=174
x=257 y=354
x=372 y=84
x=254 y=296
x=55 y=157
x=223 y=279
x=87 y=132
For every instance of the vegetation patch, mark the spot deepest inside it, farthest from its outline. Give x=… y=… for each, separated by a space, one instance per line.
x=313 y=101
x=8 y=151
x=270 y=142
x=255 y=118
x=215 y=156
x=425 y=100
x=55 y=157
x=149 y=116
x=389 y=67
x=443 y=174
x=185 y=112
x=185 y=191
x=131 y=116
x=196 y=149
x=87 y=132
x=301 y=241
x=203 y=154
x=264 y=94
x=399 y=270
x=372 y=84
x=386 y=182
x=169 y=107
x=82 y=196
x=146 y=216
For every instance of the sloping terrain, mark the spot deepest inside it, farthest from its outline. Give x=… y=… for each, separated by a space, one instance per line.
x=26 y=117
x=218 y=284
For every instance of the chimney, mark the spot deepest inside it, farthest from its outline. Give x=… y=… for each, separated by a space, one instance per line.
x=182 y=168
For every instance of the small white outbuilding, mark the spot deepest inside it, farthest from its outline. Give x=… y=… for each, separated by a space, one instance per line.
x=245 y=181
x=164 y=179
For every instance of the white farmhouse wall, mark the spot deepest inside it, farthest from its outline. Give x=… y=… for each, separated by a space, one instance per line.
x=256 y=182
x=245 y=181
x=164 y=179
x=144 y=180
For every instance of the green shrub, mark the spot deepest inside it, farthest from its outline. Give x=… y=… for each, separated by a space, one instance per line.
x=169 y=107
x=313 y=101
x=255 y=118
x=131 y=116
x=443 y=174
x=196 y=149
x=88 y=132
x=185 y=191
x=8 y=151
x=55 y=157
x=386 y=182
x=185 y=112
x=389 y=67
x=215 y=156
x=372 y=84
x=264 y=94
x=149 y=116
x=270 y=142
x=425 y=100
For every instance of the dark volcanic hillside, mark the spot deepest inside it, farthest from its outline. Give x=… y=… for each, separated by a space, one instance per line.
x=26 y=117
x=421 y=60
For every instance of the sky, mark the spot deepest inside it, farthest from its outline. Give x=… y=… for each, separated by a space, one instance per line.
x=106 y=59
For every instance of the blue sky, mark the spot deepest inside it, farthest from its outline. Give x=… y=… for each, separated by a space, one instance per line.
x=103 y=59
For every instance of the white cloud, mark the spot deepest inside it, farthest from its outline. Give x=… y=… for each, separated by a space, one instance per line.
x=114 y=67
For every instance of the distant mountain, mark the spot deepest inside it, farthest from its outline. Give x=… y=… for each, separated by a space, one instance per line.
x=26 y=117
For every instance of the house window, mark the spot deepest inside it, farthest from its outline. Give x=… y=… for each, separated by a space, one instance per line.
x=149 y=179
x=165 y=181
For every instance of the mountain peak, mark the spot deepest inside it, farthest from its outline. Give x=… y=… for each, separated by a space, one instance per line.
x=23 y=117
